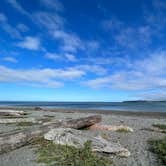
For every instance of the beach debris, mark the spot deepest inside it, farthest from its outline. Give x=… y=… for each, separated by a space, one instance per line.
x=110 y=127
x=77 y=138
x=14 y=140
x=155 y=130
x=17 y=120
x=12 y=112
x=37 y=108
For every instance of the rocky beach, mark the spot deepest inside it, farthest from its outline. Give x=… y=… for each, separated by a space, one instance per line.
x=135 y=141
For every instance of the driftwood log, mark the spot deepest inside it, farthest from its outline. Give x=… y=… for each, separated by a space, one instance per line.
x=14 y=140
x=12 y=113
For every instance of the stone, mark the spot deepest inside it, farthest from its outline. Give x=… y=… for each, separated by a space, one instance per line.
x=77 y=138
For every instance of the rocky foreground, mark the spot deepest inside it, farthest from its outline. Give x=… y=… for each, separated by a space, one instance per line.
x=122 y=137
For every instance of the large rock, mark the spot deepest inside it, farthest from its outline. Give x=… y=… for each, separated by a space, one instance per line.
x=76 y=138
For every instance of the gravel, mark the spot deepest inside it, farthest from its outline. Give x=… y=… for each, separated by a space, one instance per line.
x=135 y=142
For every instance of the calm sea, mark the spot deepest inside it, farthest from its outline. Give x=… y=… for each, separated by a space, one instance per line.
x=120 y=106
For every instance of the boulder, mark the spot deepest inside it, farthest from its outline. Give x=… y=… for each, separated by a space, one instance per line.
x=77 y=138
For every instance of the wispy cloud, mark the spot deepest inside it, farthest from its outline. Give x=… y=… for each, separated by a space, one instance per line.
x=153 y=95
x=17 y=6
x=143 y=74
x=70 y=57
x=46 y=77
x=53 y=4
x=31 y=43
x=51 y=21
x=22 y=27
x=13 y=32
x=95 y=69
x=63 y=57
x=10 y=59
x=70 y=42
x=129 y=37
x=53 y=56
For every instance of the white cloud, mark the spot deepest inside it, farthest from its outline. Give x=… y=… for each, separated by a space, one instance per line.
x=2 y=18
x=96 y=69
x=112 y=24
x=41 y=77
x=10 y=59
x=71 y=42
x=129 y=37
x=153 y=64
x=153 y=95
x=65 y=57
x=51 y=21
x=17 y=6
x=22 y=27
x=31 y=43
x=134 y=38
x=142 y=74
x=53 y=4
x=92 y=45
x=70 y=57
x=159 y=4
x=13 y=32
x=53 y=56
x=54 y=23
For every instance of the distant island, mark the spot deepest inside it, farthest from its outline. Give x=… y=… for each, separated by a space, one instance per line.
x=140 y=101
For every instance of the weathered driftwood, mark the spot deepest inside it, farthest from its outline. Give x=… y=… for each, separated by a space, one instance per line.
x=17 y=120
x=155 y=130
x=17 y=139
x=110 y=127
x=77 y=138
x=11 y=113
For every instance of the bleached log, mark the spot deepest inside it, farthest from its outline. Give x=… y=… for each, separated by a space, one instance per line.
x=18 y=139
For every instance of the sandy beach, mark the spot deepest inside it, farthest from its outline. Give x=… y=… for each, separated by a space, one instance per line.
x=135 y=142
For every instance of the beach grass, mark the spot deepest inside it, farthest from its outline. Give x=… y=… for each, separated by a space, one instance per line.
x=160 y=126
x=159 y=148
x=53 y=154
x=123 y=130
x=24 y=124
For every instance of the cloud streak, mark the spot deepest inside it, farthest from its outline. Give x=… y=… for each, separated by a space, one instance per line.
x=10 y=59
x=142 y=74
x=31 y=43
x=13 y=32
x=40 y=77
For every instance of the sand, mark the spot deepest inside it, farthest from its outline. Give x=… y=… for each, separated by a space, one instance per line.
x=135 y=142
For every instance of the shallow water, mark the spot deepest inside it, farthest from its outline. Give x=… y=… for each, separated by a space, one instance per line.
x=120 y=106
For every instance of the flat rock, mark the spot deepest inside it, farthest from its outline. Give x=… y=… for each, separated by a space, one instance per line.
x=77 y=138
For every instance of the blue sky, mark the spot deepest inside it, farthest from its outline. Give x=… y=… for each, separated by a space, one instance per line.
x=100 y=50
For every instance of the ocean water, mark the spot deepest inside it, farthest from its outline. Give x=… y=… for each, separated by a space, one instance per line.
x=120 y=106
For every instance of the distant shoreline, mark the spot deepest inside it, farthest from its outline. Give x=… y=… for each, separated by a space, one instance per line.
x=113 y=112
x=109 y=112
